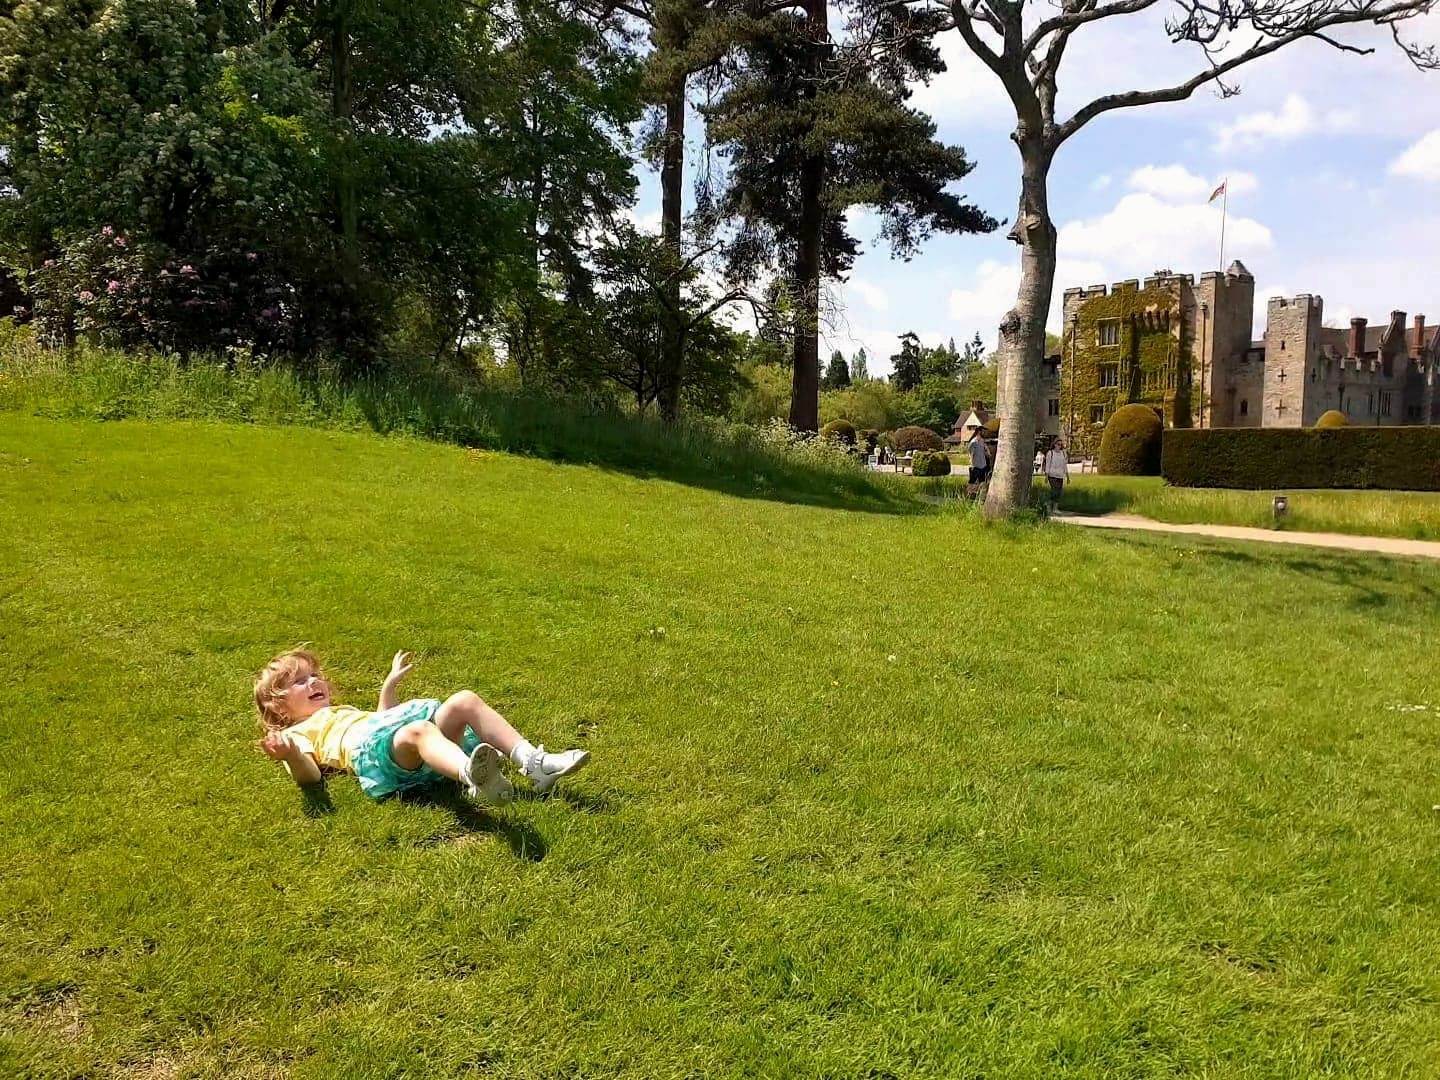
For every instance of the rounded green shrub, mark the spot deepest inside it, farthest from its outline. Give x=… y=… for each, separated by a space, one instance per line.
x=930 y=463
x=992 y=427
x=841 y=431
x=1332 y=419
x=1131 y=443
x=909 y=439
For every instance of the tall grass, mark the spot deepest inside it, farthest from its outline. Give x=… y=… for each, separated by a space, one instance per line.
x=98 y=384
x=1413 y=515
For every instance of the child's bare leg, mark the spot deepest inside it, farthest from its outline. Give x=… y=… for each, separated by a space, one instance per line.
x=466 y=709
x=423 y=741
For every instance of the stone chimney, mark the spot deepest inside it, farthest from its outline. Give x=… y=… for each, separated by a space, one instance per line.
x=1357 y=337
x=1419 y=335
x=978 y=406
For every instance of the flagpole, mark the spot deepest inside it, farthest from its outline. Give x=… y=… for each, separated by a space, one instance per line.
x=1224 y=213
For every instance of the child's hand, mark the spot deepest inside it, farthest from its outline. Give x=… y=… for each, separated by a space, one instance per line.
x=277 y=746
x=399 y=668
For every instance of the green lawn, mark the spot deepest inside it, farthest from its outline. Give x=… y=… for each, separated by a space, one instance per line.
x=1414 y=515
x=874 y=795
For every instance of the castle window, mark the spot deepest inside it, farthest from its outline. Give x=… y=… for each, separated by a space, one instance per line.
x=1109 y=331
x=1385 y=402
x=1244 y=407
x=1053 y=406
x=1387 y=366
x=1109 y=375
x=1282 y=344
x=1097 y=414
x=1370 y=404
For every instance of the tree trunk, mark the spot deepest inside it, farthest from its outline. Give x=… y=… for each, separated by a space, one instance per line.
x=1022 y=336
x=805 y=383
x=672 y=214
x=341 y=94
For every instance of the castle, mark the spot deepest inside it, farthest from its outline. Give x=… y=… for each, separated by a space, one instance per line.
x=1186 y=350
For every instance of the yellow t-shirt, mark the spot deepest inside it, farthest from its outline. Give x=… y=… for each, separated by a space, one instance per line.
x=328 y=734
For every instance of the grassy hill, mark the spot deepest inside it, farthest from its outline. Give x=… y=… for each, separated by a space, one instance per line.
x=874 y=794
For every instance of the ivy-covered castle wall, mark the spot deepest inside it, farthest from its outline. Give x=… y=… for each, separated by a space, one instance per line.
x=1131 y=343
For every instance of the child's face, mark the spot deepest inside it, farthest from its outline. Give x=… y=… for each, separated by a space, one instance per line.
x=308 y=694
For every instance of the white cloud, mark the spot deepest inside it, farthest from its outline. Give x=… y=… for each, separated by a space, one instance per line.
x=874 y=296
x=1143 y=233
x=1294 y=119
x=646 y=222
x=1176 y=183
x=982 y=305
x=1421 y=160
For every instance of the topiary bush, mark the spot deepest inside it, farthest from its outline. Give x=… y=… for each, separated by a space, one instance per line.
x=907 y=440
x=1131 y=443
x=992 y=427
x=841 y=431
x=1332 y=419
x=930 y=463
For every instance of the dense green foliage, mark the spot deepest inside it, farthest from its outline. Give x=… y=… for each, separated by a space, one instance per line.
x=909 y=439
x=841 y=431
x=1332 y=418
x=1393 y=458
x=930 y=463
x=1131 y=443
x=1143 y=859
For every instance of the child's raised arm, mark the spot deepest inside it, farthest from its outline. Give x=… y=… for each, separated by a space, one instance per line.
x=399 y=668
x=277 y=746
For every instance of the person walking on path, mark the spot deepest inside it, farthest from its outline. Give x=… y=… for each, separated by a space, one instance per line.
x=979 y=463
x=1056 y=468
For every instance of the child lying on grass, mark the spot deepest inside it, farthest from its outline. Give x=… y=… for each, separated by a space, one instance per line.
x=399 y=746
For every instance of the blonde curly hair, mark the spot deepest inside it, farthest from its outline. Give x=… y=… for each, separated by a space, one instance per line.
x=274 y=679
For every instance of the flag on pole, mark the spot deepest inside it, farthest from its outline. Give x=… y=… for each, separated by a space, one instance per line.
x=1218 y=191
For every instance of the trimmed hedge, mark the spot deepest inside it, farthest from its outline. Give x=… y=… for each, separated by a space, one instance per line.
x=930 y=463
x=841 y=431
x=1130 y=445
x=1332 y=419
x=1389 y=458
x=908 y=439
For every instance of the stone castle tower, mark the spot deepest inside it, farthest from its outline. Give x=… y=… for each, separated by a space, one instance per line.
x=1186 y=351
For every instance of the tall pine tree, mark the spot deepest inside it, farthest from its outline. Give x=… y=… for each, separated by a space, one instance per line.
x=811 y=130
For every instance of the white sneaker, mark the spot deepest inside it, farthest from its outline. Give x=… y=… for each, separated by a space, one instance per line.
x=483 y=779
x=544 y=769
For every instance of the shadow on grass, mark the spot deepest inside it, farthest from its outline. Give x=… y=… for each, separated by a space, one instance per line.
x=1370 y=583
x=1096 y=500
x=315 y=800
x=520 y=836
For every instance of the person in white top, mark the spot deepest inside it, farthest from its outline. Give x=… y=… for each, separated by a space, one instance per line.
x=1056 y=469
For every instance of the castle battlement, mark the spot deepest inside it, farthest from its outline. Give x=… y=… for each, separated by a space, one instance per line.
x=1194 y=350
x=1158 y=281
x=1086 y=292
x=1304 y=300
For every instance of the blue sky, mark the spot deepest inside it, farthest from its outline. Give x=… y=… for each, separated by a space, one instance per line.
x=1333 y=163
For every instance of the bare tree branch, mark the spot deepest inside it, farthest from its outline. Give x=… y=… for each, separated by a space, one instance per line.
x=1076 y=13
x=1279 y=22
